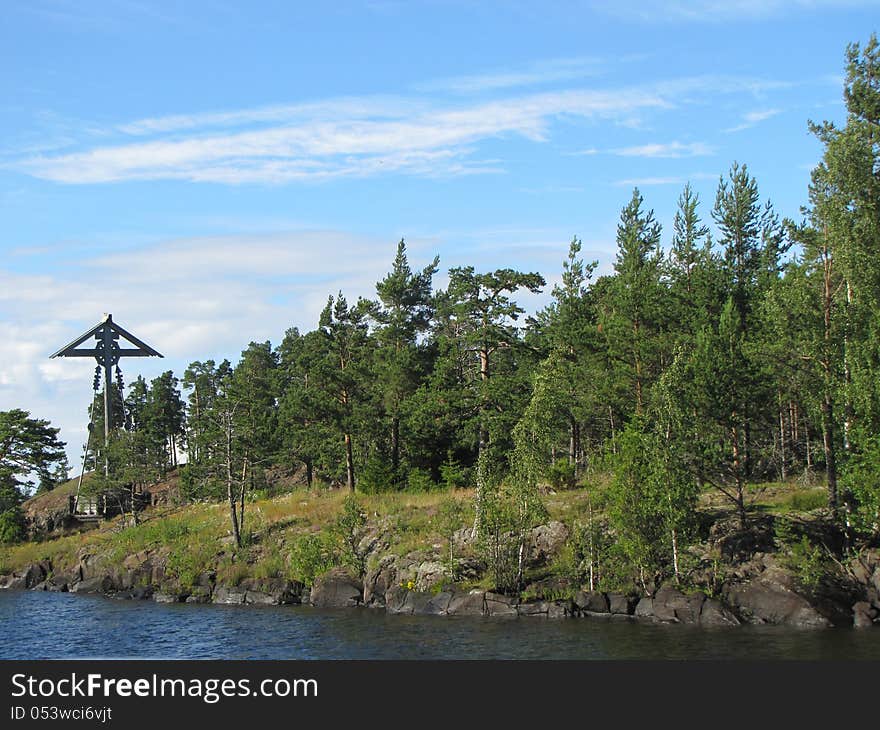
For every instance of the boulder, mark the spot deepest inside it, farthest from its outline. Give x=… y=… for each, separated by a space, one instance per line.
x=439 y=604
x=618 y=603
x=545 y=541
x=713 y=613
x=673 y=605
x=499 y=605
x=645 y=608
x=863 y=615
x=337 y=589
x=429 y=574
x=261 y=598
x=163 y=597
x=378 y=580
x=229 y=595
x=533 y=608
x=416 y=602
x=99 y=584
x=395 y=599
x=559 y=609
x=467 y=604
x=591 y=601
x=764 y=601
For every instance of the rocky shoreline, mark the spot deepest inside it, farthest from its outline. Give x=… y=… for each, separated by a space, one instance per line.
x=761 y=592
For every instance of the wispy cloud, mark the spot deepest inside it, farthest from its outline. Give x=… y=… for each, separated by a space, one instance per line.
x=364 y=137
x=644 y=182
x=329 y=142
x=667 y=150
x=716 y=11
x=540 y=72
x=750 y=119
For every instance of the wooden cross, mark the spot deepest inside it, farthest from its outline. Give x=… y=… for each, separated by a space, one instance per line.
x=107 y=352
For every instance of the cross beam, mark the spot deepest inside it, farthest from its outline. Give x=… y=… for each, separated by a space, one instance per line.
x=107 y=353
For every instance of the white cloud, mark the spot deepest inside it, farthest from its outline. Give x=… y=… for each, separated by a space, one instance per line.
x=717 y=11
x=641 y=182
x=330 y=144
x=539 y=73
x=189 y=298
x=750 y=119
x=667 y=150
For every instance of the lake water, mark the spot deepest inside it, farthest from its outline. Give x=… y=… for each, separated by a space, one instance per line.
x=36 y=625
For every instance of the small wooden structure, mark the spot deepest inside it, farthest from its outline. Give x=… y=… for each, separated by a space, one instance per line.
x=107 y=352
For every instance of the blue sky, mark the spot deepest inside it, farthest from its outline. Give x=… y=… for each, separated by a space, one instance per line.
x=210 y=171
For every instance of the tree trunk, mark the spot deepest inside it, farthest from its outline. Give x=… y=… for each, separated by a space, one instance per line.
x=395 y=444
x=309 y=474
x=230 y=494
x=349 y=462
x=738 y=476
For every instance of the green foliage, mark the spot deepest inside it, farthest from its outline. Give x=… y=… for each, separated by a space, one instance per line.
x=807 y=501
x=419 y=480
x=12 y=528
x=311 y=556
x=377 y=475
x=453 y=474
x=809 y=562
x=862 y=480
x=562 y=475
x=350 y=531
x=450 y=519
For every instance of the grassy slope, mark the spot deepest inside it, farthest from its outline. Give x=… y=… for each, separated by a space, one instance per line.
x=195 y=536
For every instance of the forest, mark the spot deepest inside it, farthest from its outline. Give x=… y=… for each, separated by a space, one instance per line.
x=741 y=347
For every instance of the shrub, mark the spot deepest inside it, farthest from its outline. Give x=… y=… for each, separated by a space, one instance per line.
x=420 y=480
x=350 y=528
x=453 y=474
x=377 y=476
x=310 y=557
x=562 y=475
x=12 y=526
x=806 y=501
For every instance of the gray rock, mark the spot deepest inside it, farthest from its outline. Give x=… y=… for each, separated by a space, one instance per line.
x=395 y=599
x=416 y=602
x=467 y=604
x=499 y=605
x=337 y=589
x=619 y=603
x=545 y=541
x=162 y=597
x=673 y=605
x=229 y=595
x=645 y=608
x=559 y=609
x=100 y=584
x=439 y=604
x=261 y=598
x=533 y=608
x=713 y=613
x=429 y=574
x=592 y=601
x=762 y=601
x=378 y=580
x=863 y=615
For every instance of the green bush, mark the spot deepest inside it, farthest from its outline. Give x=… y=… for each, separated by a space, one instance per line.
x=453 y=474
x=12 y=528
x=310 y=557
x=806 y=501
x=377 y=476
x=419 y=480
x=562 y=475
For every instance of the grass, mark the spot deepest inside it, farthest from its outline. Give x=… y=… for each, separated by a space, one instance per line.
x=195 y=538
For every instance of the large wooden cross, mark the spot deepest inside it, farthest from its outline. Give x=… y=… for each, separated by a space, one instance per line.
x=107 y=352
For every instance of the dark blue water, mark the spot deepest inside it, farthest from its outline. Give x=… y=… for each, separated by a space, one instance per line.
x=61 y=625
